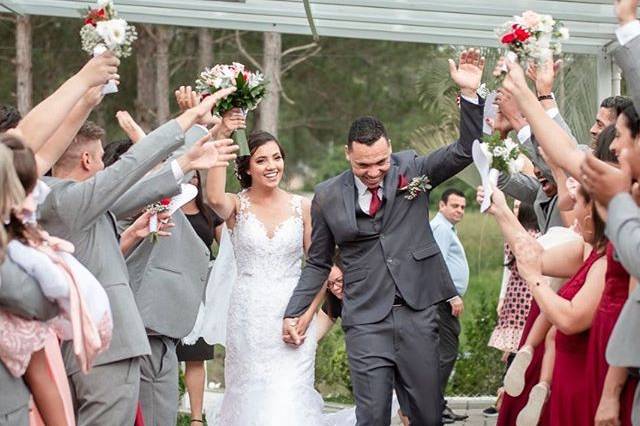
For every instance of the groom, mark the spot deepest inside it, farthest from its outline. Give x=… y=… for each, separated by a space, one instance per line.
x=394 y=274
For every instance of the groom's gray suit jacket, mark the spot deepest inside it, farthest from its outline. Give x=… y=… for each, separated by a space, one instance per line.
x=401 y=257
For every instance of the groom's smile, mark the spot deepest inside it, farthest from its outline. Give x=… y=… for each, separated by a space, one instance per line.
x=370 y=162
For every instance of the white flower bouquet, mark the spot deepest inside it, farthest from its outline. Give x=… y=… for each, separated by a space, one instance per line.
x=102 y=31
x=250 y=90
x=493 y=156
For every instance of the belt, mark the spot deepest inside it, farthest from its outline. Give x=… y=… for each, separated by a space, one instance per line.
x=399 y=301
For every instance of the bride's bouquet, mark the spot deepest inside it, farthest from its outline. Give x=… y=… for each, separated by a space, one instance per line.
x=250 y=90
x=493 y=156
x=532 y=37
x=102 y=31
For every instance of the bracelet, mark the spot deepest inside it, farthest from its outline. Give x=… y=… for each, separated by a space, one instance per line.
x=550 y=96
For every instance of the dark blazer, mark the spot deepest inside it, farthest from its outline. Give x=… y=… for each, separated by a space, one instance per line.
x=404 y=258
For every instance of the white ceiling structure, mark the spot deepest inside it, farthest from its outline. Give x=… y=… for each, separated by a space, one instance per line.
x=454 y=22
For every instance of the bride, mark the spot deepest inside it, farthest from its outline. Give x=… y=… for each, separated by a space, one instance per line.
x=267 y=382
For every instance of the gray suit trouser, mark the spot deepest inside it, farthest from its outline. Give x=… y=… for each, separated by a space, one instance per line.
x=108 y=394
x=19 y=417
x=159 y=391
x=449 y=331
x=401 y=351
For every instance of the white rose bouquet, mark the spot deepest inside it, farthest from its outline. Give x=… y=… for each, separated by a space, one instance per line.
x=251 y=88
x=102 y=31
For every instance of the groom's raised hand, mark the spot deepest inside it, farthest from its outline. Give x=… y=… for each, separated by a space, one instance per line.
x=467 y=74
x=290 y=332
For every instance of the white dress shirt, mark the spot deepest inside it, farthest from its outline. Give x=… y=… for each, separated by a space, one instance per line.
x=628 y=32
x=364 y=195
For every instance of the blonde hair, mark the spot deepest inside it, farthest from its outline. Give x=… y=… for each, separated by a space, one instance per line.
x=11 y=191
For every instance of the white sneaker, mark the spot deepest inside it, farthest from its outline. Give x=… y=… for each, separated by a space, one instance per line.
x=514 y=379
x=530 y=414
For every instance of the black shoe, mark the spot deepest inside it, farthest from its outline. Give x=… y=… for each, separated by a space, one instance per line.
x=490 y=412
x=448 y=413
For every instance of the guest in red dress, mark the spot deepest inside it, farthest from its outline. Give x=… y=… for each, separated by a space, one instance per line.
x=609 y=388
x=570 y=311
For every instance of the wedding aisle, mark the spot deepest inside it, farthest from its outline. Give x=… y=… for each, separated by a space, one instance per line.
x=471 y=406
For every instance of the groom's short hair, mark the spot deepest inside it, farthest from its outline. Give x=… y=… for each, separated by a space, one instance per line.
x=366 y=130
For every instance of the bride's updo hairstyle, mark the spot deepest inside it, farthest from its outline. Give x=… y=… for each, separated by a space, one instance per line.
x=255 y=141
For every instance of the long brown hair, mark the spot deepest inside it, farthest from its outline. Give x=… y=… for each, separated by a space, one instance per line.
x=11 y=193
x=24 y=163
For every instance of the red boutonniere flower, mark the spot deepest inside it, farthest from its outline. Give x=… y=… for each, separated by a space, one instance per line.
x=403 y=182
x=165 y=201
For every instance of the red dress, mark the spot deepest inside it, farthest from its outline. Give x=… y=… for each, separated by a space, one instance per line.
x=615 y=294
x=568 y=402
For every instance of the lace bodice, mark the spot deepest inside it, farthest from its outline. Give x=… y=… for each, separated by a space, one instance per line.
x=258 y=253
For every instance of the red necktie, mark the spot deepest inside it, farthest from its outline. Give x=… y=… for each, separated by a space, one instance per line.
x=376 y=202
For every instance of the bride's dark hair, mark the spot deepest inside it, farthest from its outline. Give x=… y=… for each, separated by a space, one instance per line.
x=255 y=141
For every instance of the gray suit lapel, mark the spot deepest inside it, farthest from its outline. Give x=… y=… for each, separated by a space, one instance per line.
x=390 y=190
x=348 y=197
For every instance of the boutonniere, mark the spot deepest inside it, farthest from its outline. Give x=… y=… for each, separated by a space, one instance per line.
x=415 y=187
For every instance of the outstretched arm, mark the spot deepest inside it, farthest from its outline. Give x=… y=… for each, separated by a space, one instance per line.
x=45 y=118
x=57 y=144
x=447 y=161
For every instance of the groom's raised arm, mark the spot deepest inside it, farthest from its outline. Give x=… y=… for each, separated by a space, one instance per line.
x=450 y=160
x=447 y=161
x=318 y=265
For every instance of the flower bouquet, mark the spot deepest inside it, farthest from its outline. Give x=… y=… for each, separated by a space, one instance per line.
x=250 y=90
x=532 y=37
x=154 y=209
x=493 y=156
x=102 y=31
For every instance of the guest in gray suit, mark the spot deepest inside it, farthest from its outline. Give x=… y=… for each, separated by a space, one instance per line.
x=79 y=209
x=162 y=272
x=389 y=311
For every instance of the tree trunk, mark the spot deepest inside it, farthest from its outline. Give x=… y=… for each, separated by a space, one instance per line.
x=271 y=66
x=205 y=48
x=146 y=78
x=163 y=41
x=24 y=81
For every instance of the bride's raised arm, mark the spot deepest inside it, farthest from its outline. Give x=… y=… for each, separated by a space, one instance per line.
x=222 y=203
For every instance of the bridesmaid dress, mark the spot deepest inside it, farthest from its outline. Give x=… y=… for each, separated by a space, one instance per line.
x=568 y=401
x=614 y=296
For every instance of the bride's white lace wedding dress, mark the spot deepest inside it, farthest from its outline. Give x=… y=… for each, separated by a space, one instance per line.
x=267 y=382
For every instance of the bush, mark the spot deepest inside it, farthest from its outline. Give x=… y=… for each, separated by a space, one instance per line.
x=479 y=370
x=332 y=367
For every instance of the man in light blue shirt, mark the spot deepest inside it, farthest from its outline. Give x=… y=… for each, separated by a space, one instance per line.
x=451 y=212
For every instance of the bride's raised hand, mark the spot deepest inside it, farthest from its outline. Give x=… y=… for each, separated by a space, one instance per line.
x=231 y=120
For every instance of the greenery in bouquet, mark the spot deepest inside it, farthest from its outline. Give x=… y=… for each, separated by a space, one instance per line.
x=103 y=30
x=251 y=88
x=504 y=154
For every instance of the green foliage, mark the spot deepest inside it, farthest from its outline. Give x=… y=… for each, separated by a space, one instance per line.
x=332 y=368
x=478 y=370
